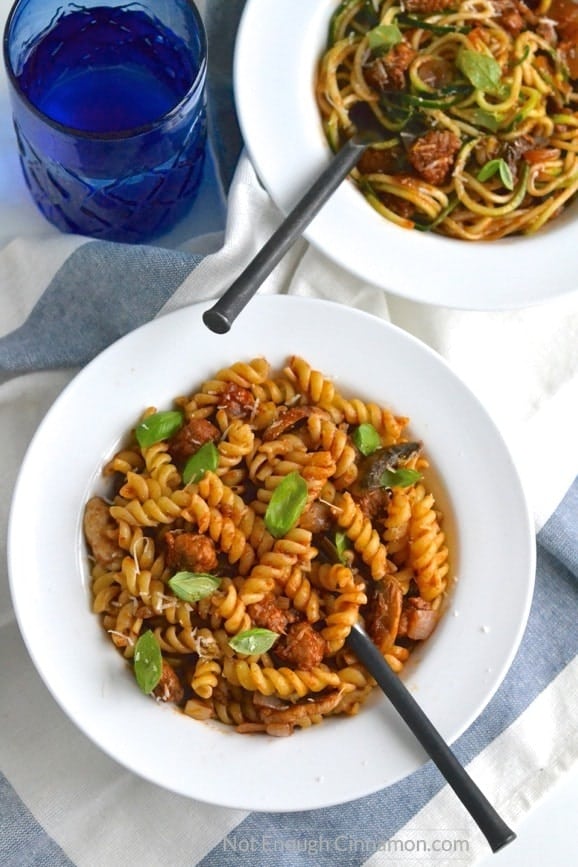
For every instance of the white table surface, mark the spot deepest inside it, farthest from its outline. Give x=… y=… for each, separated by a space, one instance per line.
x=548 y=835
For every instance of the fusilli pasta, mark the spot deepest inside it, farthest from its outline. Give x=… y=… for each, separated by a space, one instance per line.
x=245 y=539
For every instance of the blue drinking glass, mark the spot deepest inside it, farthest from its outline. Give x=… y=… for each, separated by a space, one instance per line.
x=109 y=108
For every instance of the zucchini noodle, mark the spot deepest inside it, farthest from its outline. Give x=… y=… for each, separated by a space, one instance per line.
x=475 y=104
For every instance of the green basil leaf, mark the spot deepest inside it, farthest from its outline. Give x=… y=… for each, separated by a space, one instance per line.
x=256 y=640
x=383 y=37
x=192 y=586
x=506 y=175
x=488 y=170
x=500 y=167
x=366 y=438
x=342 y=544
x=402 y=478
x=286 y=505
x=205 y=458
x=485 y=119
x=158 y=426
x=482 y=71
x=148 y=662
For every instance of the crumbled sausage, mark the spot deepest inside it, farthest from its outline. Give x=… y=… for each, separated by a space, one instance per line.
x=190 y=551
x=101 y=532
x=191 y=437
x=169 y=687
x=268 y=615
x=510 y=15
x=302 y=647
x=374 y=160
x=388 y=71
x=317 y=518
x=237 y=401
x=433 y=155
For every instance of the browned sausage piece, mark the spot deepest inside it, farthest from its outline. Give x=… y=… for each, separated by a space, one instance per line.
x=190 y=551
x=237 y=401
x=433 y=155
x=169 y=687
x=191 y=437
x=268 y=615
x=388 y=72
x=302 y=647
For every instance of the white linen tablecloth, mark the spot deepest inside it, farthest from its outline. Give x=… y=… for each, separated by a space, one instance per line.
x=63 y=299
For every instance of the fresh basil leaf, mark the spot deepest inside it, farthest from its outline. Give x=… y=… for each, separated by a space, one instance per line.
x=366 y=438
x=158 y=426
x=148 y=662
x=286 y=505
x=205 y=458
x=506 y=175
x=485 y=119
x=256 y=640
x=488 y=170
x=342 y=545
x=498 y=166
x=482 y=71
x=383 y=37
x=192 y=586
x=402 y=478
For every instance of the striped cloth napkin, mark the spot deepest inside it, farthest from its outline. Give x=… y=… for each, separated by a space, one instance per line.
x=62 y=300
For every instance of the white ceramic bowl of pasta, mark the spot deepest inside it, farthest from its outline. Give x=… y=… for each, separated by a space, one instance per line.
x=278 y=48
x=454 y=675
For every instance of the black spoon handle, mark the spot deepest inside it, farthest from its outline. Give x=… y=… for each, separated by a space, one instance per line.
x=495 y=830
x=222 y=314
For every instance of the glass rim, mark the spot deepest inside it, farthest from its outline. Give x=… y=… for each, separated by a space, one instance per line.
x=113 y=135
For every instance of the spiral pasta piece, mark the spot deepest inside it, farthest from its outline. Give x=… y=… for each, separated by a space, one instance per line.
x=305 y=598
x=283 y=682
x=344 y=615
x=106 y=588
x=277 y=391
x=313 y=384
x=150 y=513
x=396 y=525
x=235 y=446
x=231 y=608
x=205 y=677
x=428 y=553
x=356 y=412
x=326 y=435
x=363 y=534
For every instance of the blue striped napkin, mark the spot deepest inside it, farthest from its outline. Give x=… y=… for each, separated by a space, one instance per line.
x=62 y=300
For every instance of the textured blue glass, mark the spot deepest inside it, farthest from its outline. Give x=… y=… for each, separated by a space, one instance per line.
x=109 y=109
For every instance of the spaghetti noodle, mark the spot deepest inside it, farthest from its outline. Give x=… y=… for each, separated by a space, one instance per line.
x=476 y=103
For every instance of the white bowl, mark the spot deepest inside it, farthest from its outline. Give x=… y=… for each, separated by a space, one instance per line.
x=278 y=47
x=460 y=666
